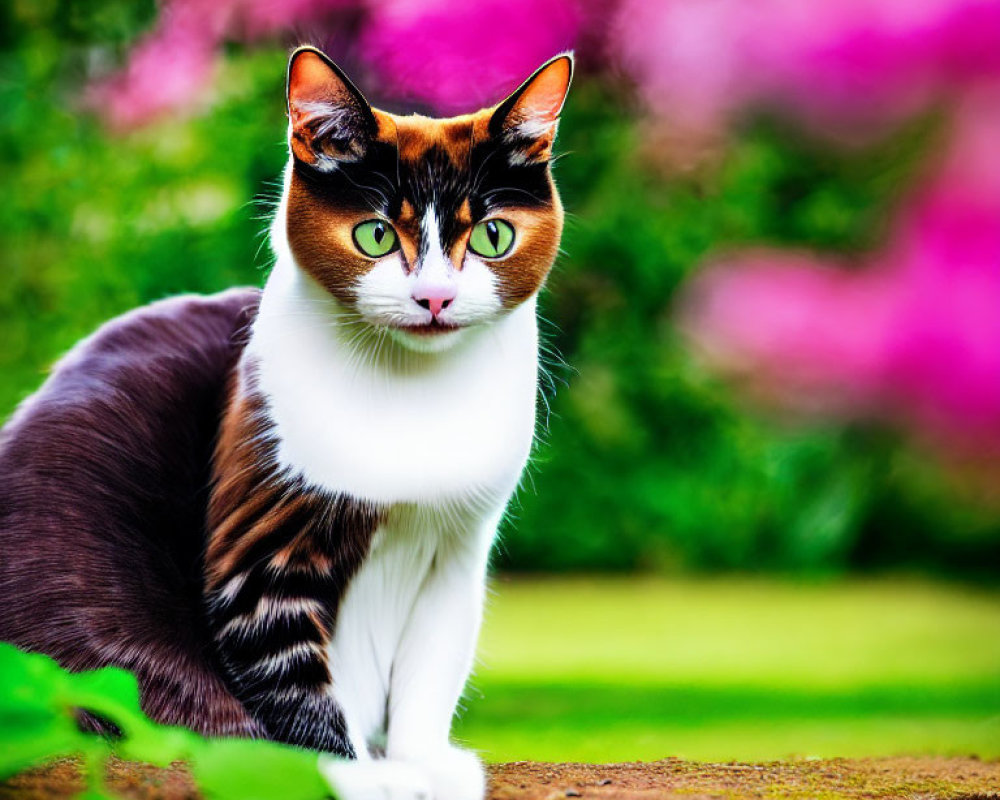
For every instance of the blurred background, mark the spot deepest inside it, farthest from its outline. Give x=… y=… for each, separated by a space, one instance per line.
x=766 y=499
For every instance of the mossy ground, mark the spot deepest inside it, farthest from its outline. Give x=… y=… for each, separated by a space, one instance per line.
x=734 y=668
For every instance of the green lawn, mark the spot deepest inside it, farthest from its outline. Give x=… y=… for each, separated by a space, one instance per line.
x=750 y=669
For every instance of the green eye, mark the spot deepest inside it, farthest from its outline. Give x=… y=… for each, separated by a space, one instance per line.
x=375 y=238
x=492 y=238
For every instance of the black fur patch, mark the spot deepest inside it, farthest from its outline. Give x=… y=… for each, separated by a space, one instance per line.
x=104 y=477
x=380 y=181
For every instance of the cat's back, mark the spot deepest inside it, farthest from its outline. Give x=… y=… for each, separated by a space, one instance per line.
x=104 y=480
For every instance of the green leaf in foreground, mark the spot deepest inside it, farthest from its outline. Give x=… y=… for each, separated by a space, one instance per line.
x=38 y=703
x=239 y=768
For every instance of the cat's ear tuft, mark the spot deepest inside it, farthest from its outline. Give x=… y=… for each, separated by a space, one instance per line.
x=330 y=119
x=529 y=117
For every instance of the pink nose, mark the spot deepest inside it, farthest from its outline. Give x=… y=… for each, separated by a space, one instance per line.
x=435 y=298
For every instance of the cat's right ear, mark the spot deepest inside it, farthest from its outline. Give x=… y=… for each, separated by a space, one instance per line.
x=527 y=119
x=330 y=119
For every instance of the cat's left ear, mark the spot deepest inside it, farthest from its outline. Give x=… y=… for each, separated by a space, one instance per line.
x=529 y=117
x=330 y=119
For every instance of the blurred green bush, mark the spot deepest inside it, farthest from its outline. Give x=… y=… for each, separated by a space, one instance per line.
x=646 y=461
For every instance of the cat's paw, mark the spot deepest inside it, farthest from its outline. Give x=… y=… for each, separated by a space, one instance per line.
x=454 y=774
x=375 y=780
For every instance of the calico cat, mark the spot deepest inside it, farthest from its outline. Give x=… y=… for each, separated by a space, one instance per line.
x=276 y=507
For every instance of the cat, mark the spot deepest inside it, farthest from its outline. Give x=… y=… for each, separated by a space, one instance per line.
x=276 y=507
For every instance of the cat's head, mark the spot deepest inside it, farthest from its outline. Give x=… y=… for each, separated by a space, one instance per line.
x=427 y=227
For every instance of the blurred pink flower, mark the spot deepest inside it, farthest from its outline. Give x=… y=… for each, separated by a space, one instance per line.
x=915 y=334
x=167 y=69
x=172 y=68
x=460 y=56
x=450 y=57
x=863 y=60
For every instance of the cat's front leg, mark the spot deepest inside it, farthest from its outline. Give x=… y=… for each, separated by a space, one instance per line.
x=271 y=626
x=432 y=664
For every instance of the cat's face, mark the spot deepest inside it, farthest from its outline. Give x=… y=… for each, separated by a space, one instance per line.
x=426 y=227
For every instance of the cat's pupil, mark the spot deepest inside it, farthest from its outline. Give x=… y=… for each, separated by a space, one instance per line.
x=379 y=233
x=493 y=232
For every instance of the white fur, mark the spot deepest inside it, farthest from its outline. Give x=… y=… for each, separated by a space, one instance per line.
x=535 y=127
x=266 y=611
x=357 y=412
x=331 y=117
x=276 y=662
x=438 y=441
x=232 y=587
x=407 y=627
x=383 y=780
x=532 y=127
x=435 y=263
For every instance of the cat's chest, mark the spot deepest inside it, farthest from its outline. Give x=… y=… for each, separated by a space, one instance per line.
x=462 y=429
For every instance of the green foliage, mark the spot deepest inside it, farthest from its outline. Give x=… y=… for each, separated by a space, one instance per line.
x=38 y=724
x=650 y=462
x=233 y=768
x=98 y=224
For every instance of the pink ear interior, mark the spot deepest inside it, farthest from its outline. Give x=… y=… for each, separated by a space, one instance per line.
x=543 y=98
x=311 y=81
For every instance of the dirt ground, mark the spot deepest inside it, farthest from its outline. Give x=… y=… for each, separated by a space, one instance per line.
x=903 y=778
x=910 y=778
